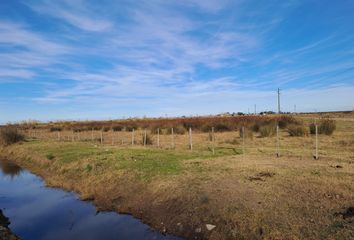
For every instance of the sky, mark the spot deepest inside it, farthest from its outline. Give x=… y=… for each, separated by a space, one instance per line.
x=110 y=59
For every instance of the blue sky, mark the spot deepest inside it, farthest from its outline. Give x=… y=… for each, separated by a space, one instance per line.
x=76 y=59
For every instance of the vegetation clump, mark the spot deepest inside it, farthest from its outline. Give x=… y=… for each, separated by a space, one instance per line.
x=285 y=120
x=10 y=135
x=325 y=126
x=55 y=129
x=179 y=129
x=267 y=130
x=245 y=132
x=297 y=130
x=117 y=128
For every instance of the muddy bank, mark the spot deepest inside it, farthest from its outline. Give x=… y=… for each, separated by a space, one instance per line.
x=5 y=232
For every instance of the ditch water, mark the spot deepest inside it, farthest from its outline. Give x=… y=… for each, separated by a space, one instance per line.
x=39 y=212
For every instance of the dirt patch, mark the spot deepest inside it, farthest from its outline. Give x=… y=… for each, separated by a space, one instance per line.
x=347 y=213
x=337 y=166
x=261 y=176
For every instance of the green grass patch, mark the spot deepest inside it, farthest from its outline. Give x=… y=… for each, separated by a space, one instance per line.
x=144 y=162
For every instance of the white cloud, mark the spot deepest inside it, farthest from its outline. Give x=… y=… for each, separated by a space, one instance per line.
x=75 y=13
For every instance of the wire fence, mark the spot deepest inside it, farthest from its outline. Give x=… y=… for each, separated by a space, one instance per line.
x=281 y=144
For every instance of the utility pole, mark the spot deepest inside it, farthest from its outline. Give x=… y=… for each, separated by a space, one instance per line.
x=279 y=101
x=255 y=109
x=295 y=108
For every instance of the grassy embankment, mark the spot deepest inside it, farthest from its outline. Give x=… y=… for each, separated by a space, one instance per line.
x=251 y=196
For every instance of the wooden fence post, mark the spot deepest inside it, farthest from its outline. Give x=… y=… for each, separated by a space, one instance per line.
x=243 y=140
x=112 y=136
x=190 y=139
x=133 y=137
x=58 y=135
x=144 y=138
x=316 y=150
x=72 y=135
x=92 y=139
x=158 y=137
x=172 y=138
x=212 y=139
x=101 y=136
x=278 y=143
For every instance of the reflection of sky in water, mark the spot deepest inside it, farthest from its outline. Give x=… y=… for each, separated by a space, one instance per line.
x=37 y=212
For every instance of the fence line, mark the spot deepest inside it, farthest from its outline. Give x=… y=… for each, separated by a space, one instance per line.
x=162 y=139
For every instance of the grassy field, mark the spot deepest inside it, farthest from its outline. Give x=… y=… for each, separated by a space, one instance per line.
x=254 y=195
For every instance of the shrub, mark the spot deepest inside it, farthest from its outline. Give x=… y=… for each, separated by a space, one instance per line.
x=256 y=127
x=10 y=135
x=327 y=126
x=55 y=129
x=312 y=128
x=284 y=121
x=130 y=128
x=206 y=128
x=267 y=130
x=221 y=127
x=117 y=128
x=106 y=129
x=248 y=133
x=179 y=129
x=297 y=130
x=153 y=130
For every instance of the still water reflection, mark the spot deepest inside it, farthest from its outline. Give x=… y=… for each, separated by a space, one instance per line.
x=38 y=212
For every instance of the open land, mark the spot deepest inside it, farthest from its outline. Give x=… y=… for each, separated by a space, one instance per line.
x=242 y=191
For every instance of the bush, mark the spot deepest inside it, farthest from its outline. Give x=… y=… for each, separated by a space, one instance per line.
x=130 y=128
x=312 y=128
x=248 y=133
x=325 y=126
x=256 y=127
x=297 y=130
x=267 y=130
x=106 y=129
x=206 y=128
x=10 y=135
x=221 y=127
x=55 y=129
x=284 y=121
x=179 y=129
x=117 y=128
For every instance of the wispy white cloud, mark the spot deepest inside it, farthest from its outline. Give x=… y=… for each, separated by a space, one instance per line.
x=74 y=12
x=16 y=73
